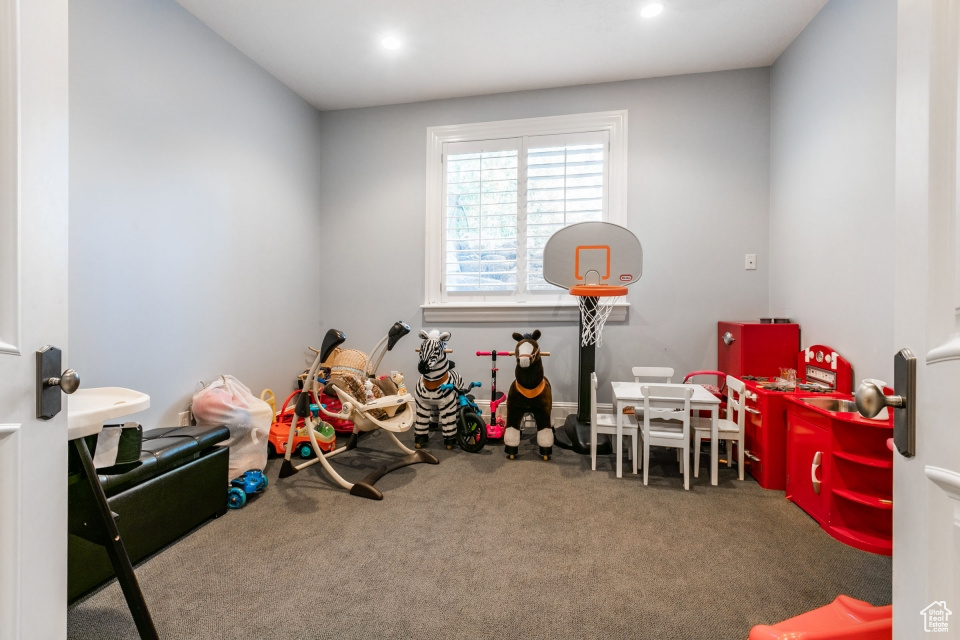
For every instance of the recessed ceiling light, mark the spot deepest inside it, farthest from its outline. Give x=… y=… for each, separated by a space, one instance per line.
x=651 y=10
x=390 y=43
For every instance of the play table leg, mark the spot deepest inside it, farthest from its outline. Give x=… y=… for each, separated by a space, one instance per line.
x=618 y=441
x=714 y=442
x=99 y=515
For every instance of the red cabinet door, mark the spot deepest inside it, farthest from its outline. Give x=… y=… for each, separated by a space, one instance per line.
x=730 y=348
x=808 y=477
x=756 y=349
x=754 y=443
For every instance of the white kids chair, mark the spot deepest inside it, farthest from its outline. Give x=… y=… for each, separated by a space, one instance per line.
x=607 y=423
x=666 y=423
x=728 y=428
x=662 y=374
x=649 y=374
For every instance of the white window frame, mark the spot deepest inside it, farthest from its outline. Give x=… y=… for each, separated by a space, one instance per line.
x=440 y=308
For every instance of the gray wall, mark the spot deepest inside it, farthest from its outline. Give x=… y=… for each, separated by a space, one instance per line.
x=194 y=209
x=698 y=200
x=832 y=182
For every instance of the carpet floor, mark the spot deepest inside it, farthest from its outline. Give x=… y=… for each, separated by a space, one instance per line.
x=480 y=546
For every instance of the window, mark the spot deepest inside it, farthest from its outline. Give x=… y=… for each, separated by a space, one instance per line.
x=497 y=191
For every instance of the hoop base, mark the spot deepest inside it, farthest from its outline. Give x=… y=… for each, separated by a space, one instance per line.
x=574 y=436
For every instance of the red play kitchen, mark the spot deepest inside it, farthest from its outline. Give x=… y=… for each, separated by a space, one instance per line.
x=804 y=435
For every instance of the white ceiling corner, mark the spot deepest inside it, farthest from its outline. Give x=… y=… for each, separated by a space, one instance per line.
x=328 y=52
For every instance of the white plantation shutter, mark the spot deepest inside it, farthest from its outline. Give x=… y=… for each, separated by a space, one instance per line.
x=510 y=194
x=480 y=217
x=566 y=183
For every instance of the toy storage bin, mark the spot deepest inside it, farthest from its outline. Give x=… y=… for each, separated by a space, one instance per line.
x=181 y=482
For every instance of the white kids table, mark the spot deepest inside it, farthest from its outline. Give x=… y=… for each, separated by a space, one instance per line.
x=628 y=393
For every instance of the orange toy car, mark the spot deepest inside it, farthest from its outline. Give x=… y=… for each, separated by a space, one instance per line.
x=280 y=431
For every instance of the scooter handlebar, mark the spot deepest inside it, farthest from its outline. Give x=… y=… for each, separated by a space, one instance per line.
x=448 y=386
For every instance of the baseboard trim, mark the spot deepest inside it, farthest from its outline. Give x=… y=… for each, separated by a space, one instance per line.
x=558 y=416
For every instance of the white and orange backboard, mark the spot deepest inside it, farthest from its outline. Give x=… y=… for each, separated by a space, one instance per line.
x=592 y=253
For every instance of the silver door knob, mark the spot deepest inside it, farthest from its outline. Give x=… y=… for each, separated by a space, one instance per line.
x=728 y=338
x=69 y=381
x=871 y=400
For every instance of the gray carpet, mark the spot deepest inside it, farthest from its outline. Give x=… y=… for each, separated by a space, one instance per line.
x=484 y=547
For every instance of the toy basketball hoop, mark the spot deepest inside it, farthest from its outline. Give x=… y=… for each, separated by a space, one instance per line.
x=596 y=303
x=595 y=261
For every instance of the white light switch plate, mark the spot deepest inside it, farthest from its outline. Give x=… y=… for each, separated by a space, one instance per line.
x=750 y=261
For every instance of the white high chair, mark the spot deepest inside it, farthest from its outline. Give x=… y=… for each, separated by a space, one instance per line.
x=666 y=423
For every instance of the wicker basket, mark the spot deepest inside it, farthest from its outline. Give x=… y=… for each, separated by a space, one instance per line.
x=346 y=362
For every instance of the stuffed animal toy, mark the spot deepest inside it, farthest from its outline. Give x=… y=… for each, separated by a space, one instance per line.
x=434 y=404
x=529 y=393
x=397 y=378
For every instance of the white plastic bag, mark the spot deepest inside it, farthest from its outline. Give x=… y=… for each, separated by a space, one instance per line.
x=228 y=402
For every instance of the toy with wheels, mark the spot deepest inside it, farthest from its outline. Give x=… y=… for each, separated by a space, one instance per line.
x=471 y=429
x=719 y=389
x=252 y=481
x=277 y=441
x=366 y=416
x=529 y=393
x=496 y=425
x=436 y=399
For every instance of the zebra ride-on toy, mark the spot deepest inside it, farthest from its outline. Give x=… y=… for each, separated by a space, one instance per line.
x=433 y=403
x=471 y=429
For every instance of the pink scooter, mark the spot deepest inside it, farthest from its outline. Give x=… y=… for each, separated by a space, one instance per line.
x=495 y=425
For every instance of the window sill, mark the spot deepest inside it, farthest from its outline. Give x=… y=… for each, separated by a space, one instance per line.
x=512 y=312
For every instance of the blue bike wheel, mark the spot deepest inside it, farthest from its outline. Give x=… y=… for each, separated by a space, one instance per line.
x=236 y=497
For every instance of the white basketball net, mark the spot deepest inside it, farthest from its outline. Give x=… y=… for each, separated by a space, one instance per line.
x=594 y=312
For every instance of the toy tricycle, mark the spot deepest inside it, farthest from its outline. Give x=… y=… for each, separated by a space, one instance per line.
x=252 y=481
x=471 y=429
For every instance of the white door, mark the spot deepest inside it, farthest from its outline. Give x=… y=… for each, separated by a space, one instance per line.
x=33 y=312
x=926 y=527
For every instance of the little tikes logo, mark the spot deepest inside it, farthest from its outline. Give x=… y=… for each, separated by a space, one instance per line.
x=936 y=617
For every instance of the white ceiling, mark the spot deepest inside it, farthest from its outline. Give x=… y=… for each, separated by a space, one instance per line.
x=329 y=52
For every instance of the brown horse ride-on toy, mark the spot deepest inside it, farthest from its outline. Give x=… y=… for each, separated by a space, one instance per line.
x=529 y=393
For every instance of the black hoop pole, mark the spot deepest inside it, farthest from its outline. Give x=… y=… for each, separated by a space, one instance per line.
x=575 y=433
x=588 y=363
